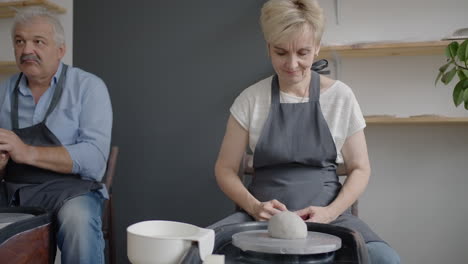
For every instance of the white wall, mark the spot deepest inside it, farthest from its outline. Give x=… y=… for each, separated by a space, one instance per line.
x=6 y=47
x=416 y=199
x=374 y=20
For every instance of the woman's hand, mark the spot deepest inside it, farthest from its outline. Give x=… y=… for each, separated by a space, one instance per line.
x=316 y=214
x=265 y=210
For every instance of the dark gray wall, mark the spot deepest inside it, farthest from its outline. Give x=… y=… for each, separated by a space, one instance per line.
x=173 y=68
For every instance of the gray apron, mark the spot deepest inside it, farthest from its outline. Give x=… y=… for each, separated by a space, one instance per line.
x=295 y=158
x=31 y=186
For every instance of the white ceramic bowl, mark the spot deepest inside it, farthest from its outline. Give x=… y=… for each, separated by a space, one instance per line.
x=165 y=242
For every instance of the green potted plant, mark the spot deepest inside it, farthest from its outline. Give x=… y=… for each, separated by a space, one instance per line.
x=457 y=60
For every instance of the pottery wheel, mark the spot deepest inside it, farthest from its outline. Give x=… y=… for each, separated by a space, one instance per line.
x=260 y=241
x=9 y=218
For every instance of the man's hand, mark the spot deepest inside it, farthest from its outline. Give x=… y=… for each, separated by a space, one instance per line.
x=264 y=211
x=11 y=143
x=316 y=214
x=4 y=157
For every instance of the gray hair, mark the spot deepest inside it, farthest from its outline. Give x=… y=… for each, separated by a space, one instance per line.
x=28 y=14
x=281 y=18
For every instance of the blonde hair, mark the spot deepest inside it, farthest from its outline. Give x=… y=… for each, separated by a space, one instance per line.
x=282 y=18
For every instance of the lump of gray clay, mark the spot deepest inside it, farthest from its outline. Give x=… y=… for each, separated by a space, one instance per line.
x=287 y=225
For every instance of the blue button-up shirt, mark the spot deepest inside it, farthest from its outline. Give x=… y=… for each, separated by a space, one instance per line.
x=82 y=120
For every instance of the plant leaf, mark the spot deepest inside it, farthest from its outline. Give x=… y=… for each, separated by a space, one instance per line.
x=447 y=51
x=453 y=48
x=466 y=97
x=458 y=93
x=466 y=50
x=465 y=72
x=449 y=76
x=461 y=75
x=444 y=67
x=465 y=92
x=461 y=54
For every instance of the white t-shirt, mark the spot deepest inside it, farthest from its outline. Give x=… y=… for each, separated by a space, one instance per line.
x=338 y=103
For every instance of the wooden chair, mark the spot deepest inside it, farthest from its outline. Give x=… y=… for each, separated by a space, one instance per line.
x=108 y=211
x=246 y=168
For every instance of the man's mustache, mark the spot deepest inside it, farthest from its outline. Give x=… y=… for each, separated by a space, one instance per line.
x=32 y=57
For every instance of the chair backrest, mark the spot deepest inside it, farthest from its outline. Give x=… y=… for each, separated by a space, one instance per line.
x=246 y=168
x=110 y=170
x=108 y=211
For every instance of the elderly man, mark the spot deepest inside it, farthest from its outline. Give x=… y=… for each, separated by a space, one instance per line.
x=55 y=130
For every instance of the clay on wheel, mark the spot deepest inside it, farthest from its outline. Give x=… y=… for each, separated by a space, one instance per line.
x=287 y=225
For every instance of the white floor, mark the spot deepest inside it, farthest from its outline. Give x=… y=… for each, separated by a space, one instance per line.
x=57 y=257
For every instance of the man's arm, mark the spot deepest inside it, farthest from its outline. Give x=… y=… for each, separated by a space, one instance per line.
x=88 y=156
x=51 y=158
x=3 y=154
x=90 y=151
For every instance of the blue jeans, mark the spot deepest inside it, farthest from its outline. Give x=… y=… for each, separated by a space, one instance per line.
x=79 y=232
x=381 y=253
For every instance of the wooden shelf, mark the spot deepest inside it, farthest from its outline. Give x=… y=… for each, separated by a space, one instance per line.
x=385 y=49
x=384 y=120
x=6 y=8
x=8 y=67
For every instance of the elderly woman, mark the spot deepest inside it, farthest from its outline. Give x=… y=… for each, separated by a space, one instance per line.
x=300 y=126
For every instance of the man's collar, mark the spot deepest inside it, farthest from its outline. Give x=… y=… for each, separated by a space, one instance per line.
x=57 y=74
x=23 y=87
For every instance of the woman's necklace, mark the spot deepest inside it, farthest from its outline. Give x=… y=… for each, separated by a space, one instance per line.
x=302 y=97
x=303 y=91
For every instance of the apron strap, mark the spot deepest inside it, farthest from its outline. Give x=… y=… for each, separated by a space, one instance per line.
x=53 y=103
x=275 y=97
x=14 y=104
x=58 y=92
x=314 y=88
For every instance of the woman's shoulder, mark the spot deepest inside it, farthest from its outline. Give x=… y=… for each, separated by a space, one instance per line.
x=326 y=82
x=259 y=89
x=335 y=88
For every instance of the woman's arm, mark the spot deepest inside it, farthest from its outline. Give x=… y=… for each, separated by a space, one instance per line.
x=227 y=168
x=358 y=170
x=356 y=158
